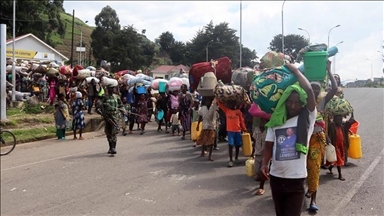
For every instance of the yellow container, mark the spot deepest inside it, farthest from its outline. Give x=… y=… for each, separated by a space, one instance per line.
x=195 y=134
x=247 y=144
x=354 y=150
x=250 y=167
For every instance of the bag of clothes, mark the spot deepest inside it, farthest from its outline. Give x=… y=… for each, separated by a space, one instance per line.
x=239 y=77
x=270 y=85
x=231 y=93
x=175 y=84
x=339 y=106
x=272 y=59
x=155 y=83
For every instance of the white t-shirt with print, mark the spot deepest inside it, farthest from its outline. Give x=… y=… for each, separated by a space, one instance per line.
x=286 y=161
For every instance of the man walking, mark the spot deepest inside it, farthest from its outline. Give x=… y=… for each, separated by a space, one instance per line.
x=110 y=105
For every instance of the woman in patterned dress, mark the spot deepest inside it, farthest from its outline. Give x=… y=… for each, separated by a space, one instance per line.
x=78 y=116
x=142 y=110
x=185 y=107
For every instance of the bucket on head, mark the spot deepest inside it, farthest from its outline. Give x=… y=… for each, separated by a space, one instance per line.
x=162 y=86
x=141 y=90
x=315 y=65
x=354 y=127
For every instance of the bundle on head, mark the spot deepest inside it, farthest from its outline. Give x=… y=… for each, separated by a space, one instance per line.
x=230 y=95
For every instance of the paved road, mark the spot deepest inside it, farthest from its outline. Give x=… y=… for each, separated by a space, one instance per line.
x=157 y=174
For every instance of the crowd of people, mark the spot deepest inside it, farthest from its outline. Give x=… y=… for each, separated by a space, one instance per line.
x=301 y=120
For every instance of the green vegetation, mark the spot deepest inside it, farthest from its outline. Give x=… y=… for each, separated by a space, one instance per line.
x=33 y=134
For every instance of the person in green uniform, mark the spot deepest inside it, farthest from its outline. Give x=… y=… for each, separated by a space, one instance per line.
x=110 y=105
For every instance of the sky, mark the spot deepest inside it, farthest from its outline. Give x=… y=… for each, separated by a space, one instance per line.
x=361 y=25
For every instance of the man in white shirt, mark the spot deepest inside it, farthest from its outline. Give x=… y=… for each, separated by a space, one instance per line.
x=288 y=170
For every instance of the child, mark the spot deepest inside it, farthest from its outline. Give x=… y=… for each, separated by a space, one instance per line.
x=235 y=125
x=259 y=135
x=207 y=114
x=338 y=134
x=175 y=122
x=195 y=114
x=125 y=118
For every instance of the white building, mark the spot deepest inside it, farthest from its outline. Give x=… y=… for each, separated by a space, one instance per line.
x=30 y=47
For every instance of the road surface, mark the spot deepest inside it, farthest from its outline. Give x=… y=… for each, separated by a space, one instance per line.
x=157 y=174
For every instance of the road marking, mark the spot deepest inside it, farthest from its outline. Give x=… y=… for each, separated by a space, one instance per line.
x=358 y=184
x=43 y=161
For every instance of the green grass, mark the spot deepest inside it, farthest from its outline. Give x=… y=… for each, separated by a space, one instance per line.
x=63 y=44
x=32 y=134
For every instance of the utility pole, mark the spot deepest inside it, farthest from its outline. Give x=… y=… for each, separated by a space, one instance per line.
x=73 y=31
x=13 y=53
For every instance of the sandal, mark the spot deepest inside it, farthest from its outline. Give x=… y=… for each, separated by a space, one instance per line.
x=313 y=207
x=230 y=164
x=81 y=138
x=260 y=191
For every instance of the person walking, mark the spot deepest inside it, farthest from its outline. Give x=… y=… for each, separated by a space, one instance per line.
x=109 y=106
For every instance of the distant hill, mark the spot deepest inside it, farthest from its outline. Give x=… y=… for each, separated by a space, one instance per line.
x=63 y=45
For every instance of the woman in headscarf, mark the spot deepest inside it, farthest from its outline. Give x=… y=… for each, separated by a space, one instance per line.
x=185 y=107
x=61 y=116
x=318 y=139
x=52 y=90
x=78 y=116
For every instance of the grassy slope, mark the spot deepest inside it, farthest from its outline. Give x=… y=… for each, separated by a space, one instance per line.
x=63 y=45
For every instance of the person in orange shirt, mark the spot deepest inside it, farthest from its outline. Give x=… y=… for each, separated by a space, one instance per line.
x=235 y=125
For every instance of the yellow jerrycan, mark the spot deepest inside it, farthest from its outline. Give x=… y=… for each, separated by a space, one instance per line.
x=250 y=167
x=354 y=150
x=195 y=134
x=247 y=144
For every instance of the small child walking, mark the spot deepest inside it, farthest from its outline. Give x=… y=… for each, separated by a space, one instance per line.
x=338 y=134
x=235 y=125
x=195 y=115
x=207 y=115
x=175 y=120
x=125 y=119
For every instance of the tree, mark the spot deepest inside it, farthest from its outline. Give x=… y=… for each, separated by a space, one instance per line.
x=166 y=41
x=248 y=57
x=177 y=53
x=220 y=40
x=103 y=36
x=293 y=43
x=39 y=17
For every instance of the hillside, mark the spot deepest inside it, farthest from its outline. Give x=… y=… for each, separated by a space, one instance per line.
x=63 y=45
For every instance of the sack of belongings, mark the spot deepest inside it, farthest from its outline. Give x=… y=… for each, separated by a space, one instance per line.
x=231 y=93
x=270 y=85
x=339 y=106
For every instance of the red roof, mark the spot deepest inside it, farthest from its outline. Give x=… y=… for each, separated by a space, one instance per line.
x=164 y=69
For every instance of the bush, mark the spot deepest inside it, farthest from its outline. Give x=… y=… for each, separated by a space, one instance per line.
x=32 y=109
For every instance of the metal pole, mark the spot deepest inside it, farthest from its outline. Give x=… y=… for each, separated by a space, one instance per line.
x=282 y=28
x=3 y=73
x=309 y=36
x=73 y=30
x=330 y=33
x=241 y=45
x=81 y=45
x=13 y=53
